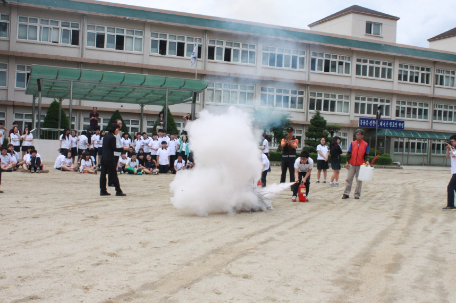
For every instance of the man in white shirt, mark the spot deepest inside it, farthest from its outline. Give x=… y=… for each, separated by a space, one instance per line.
x=6 y=160
x=302 y=169
x=179 y=164
x=154 y=145
x=264 y=173
x=322 y=160
x=58 y=162
x=172 y=148
x=145 y=143
x=162 y=136
x=121 y=165
x=163 y=158
x=265 y=146
x=451 y=153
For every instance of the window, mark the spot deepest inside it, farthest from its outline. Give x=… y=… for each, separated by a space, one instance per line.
x=282 y=98
x=412 y=110
x=414 y=146
x=114 y=38
x=132 y=125
x=445 y=77
x=230 y=93
x=3 y=118
x=329 y=102
x=46 y=30
x=283 y=57
x=369 y=105
x=102 y=122
x=414 y=74
x=3 y=74
x=180 y=127
x=330 y=63
x=443 y=112
x=26 y=120
x=174 y=45
x=22 y=75
x=374 y=68
x=231 y=51
x=343 y=139
x=373 y=28
x=4 y=26
x=438 y=147
x=149 y=126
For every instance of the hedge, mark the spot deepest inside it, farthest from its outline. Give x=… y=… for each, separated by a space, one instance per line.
x=384 y=159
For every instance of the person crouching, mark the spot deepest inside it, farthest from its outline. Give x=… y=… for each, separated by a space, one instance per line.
x=133 y=166
x=303 y=167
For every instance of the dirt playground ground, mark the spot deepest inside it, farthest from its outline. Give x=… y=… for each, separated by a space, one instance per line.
x=61 y=242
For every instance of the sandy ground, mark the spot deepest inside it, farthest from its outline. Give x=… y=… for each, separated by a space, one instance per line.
x=61 y=242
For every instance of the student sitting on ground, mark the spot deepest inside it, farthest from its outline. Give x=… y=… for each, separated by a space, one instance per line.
x=179 y=164
x=121 y=165
x=163 y=158
x=190 y=161
x=36 y=165
x=26 y=159
x=58 y=162
x=133 y=166
x=150 y=167
x=83 y=143
x=7 y=161
x=141 y=159
x=15 y=155
x=88 y=164
x=67 y=163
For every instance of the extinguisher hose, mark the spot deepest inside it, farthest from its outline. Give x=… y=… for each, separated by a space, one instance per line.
x=372 y=164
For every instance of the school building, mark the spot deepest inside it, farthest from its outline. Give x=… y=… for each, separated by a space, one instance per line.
x=346 y=66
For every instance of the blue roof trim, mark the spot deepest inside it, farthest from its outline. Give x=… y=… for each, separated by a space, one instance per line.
x=133 y=12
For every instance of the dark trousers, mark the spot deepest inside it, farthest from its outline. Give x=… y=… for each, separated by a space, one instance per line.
x=109 y=177
x=263 y=177
x=307 y=184
x=172 y=158
x=287 y=163
x=109 y=167
x=35 y=162
x=451 y=188
x=163 y=169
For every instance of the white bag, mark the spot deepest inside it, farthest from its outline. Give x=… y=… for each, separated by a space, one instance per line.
x=365 y=173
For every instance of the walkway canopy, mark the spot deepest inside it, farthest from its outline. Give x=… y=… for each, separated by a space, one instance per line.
x=91 y=85
x=410 y=134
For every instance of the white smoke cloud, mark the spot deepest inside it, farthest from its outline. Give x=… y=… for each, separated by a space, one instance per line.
x=228 y=165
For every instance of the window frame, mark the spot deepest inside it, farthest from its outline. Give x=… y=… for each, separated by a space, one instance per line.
x=412 y=107
x=267 y=51
x=224 y=89
x=5 y=18
x=409 y=69
x=368 y=65
x=277 y=95
x=60 y=25
x=329 y=99
x=441 y=76
x=240 y=47
x=115 y=32
x=27 y=69
x=318 y=64
x=371 y=32
x=374 y=102
x=5 y=71
x=187 y=41
x=400 y=148
x=444 y=111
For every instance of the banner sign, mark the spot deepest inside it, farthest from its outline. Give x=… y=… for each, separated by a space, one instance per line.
x=385 y=124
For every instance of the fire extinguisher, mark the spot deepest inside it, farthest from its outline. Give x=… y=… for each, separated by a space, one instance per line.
x=302 y=193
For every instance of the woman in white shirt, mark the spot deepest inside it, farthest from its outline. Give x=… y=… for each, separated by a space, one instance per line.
x=74 y=144
x=87 y=164
x=15 y=137
x=65 y=142
x=322 y=159
x=82 y=145
x=126 y=141
x=67 y=162
x=27 y=140
x=138 y=142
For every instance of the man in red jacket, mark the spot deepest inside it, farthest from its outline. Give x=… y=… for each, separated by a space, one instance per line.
x=358 y=154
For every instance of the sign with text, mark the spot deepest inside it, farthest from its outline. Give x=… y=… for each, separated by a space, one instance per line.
x=385 y=124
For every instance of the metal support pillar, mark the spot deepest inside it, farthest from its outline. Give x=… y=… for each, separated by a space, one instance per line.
x=33 y=113
x=141 y=122
x=166 y=110
x=39 y=115
x=193 y=105
x=60 y=113
x=403 y=150
x=71 y=105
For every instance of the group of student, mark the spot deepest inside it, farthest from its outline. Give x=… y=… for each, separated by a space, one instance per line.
x=149 y=155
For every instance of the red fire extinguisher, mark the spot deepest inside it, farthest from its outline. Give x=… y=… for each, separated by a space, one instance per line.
x=302 y=193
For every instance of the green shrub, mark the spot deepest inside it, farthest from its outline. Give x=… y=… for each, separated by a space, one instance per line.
x=372 y=152
x=115 y=116
x=384 y=159
x=275 y=156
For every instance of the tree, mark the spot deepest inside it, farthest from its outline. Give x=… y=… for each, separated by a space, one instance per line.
x=332 y=129
x=115 y=116
x=171 y=124
x=316 y=130
x=52 y=117
x=4 y=2
x=272 y=121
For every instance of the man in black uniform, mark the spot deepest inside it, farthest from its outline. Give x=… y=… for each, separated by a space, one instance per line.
x=289 y=145
x=109 y=162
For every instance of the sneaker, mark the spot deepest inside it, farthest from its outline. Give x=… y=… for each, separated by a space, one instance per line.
x=120 y=194
x=104 y=193
x=324 y=181
x=318 y=181
x=336 y=184
x=32 y=170
x=357 y=198
x=38 y=171
x=345 y=197
x=449 y=208
x=307 y=199
x=331 y=184
x=293 y=199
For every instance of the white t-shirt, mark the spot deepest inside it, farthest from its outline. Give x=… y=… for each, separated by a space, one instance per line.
x=15 y=156
x=84 y=164
x=125 y=142
x=265 y=161
x=179 y=165
x=138 y=144
x=6 y=159
x=324 y=150
x=82 y=142
x=132 y=164
x=26 y=158
x=163 y=155
x=172 y=145
x=96 y=141
x=453 y=161
x=266 y=146
x=66 y=142
x=67 y=162
x=303 y=167
x=15 y=139
x=2 y=136
x=74 y=141
x=123 y=160
x=154 y=144
x=58 y=161
x=165 y=138
x=28 y=137
x=146 y=145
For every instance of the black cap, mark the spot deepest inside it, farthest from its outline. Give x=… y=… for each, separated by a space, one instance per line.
x=290 y=129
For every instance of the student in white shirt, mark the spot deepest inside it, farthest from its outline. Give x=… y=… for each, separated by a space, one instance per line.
x=96 y=140
x=132 y=166
x=6 y=160
x=26 y=158
x=302 y=169
x=88 y=164
x=74 y=145
x=67 y=163
x=173 y=144
x=27 y=140
x=121 y=165
x=15 y=155
x=138 y=142
x=65 y=142
x=163 y=158
x=264 y=173
x=265 y=145
x=36 y=165
x=58 y=162
x=15 y=138
x=154 y=145
x=162 y=136
x=3 y=129
x=83 y=143
x=100 y=147
x=179 y=164
x=145 y=143
x=322 y=159
x=126 y=141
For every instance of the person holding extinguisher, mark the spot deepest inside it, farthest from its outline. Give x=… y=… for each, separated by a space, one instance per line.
x=302 y=169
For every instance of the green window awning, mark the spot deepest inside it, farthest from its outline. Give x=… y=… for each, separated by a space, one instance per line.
x=411 y=134
x=109 y=86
